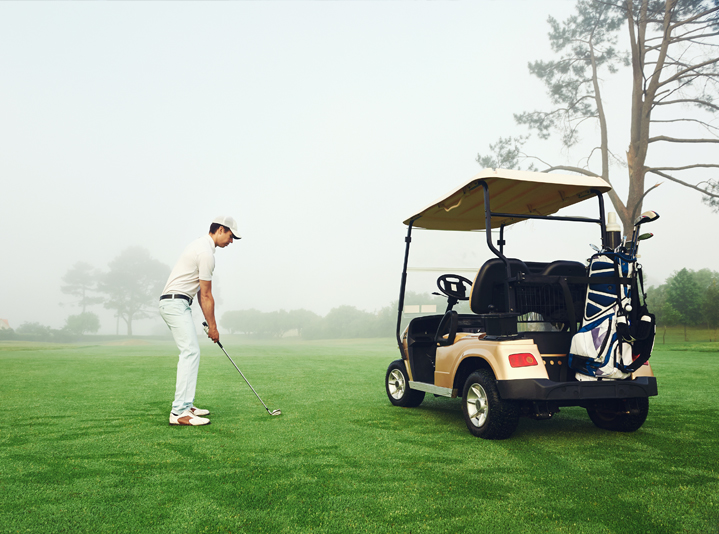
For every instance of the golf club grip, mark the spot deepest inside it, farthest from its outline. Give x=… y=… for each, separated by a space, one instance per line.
x=206 y=327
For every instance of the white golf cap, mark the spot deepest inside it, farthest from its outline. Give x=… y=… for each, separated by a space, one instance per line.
x=229 y=222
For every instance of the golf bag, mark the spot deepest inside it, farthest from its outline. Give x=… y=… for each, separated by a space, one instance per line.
x=616 y=335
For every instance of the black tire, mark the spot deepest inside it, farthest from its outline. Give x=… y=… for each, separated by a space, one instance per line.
x=611 y=418
x=396 y=384
x=487 y=416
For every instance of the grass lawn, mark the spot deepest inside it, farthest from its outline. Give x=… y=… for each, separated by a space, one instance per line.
x=672 y=338
x=85 y=447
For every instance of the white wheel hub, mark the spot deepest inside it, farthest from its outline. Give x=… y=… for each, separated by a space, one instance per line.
x=477 y=405
x=396 y=384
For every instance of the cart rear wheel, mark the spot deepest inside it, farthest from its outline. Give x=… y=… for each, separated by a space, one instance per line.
x=610 y=418
x=485 y=413
x=397 y=386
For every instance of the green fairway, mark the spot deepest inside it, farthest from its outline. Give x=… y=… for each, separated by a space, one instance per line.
x=85 y=447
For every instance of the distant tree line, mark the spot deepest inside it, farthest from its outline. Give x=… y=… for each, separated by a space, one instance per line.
x=32 y=331
x=687 y=298
x=130 y=286
x=343 y=322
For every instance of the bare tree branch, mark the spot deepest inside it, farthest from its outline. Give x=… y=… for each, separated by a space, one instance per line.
x=578 y=170
x=677 y=140
x=641 y=199
x=694 y=166
x=706 y=125
x=688 y=101
x=687 y=70
x=666 y=93
x=538 y=159
x=685 y=184
x=690 y=20
x=693 y=40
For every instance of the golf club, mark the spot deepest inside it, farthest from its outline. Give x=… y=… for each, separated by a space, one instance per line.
x=646 y=217
x=271 y=412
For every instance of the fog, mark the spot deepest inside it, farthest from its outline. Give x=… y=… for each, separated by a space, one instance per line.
x=319 y=126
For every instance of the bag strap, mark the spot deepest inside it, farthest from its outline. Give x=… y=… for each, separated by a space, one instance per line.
x=646 y=345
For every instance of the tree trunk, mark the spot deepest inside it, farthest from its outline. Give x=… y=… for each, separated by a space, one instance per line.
x=644 y=92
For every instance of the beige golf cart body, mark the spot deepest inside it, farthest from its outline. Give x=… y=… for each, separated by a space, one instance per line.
x=529 y=368
x=447 y=382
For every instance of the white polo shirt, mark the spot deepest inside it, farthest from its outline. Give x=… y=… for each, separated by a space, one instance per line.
x=196 y=263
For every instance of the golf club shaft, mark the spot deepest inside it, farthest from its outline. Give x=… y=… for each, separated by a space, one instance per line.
x=243 y=376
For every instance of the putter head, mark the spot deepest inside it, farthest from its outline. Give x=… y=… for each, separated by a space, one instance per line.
x=647 y=216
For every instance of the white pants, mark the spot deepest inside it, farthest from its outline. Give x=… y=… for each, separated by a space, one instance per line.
x=178 y=316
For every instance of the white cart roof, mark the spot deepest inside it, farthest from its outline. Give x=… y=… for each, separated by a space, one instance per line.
x=515 y=192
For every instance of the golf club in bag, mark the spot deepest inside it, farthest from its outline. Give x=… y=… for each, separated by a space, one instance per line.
x=271 y=412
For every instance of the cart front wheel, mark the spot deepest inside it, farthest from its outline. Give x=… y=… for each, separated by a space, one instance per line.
x=397 y=386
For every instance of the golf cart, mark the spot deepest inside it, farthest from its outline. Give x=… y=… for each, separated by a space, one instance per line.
x=540 y=335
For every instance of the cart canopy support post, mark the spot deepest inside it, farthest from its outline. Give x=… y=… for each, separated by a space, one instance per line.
x=402 y=285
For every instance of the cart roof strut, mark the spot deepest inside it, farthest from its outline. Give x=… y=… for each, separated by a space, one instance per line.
x=512 y=195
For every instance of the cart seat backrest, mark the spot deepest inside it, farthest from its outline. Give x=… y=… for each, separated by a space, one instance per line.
x=488 y=289
x=564 y=268
x=577 y=290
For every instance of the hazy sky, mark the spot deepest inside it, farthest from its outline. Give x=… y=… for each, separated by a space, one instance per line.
x=319 y=126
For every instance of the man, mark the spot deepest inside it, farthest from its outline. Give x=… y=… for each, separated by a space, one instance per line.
x=192 y=276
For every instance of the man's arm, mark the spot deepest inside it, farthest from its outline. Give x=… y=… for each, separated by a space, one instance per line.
x=207 y=304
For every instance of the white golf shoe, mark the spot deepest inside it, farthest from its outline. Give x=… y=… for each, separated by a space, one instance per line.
x=187 y=418
x=199 y=411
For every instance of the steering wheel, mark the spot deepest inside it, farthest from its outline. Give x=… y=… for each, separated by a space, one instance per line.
x=454 y=286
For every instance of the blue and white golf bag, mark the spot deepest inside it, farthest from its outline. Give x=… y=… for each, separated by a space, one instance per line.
x=616 y=335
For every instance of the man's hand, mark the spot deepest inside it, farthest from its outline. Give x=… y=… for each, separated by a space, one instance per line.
x=213 y=333
x=216 y=339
